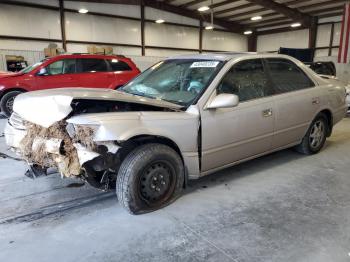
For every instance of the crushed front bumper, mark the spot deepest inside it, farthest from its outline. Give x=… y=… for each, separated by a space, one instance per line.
x=49 y=150
x=13 y=136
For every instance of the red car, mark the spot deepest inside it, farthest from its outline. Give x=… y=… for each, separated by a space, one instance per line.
x=98 y=71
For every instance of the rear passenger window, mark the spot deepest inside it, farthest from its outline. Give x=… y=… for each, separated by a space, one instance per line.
x=287 y=76
x=247 y=80
x=93 y=65
x=117 y=65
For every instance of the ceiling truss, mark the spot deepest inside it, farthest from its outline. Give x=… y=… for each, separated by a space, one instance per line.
x=234 y=15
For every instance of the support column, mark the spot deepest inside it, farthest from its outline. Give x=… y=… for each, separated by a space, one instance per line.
x=313 y=34
x=252 y=42
x=331 y=41
x=63 y=25
x=200 y=36
x=142 y=9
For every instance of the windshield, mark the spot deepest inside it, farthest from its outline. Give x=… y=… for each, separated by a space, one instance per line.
x=178 y=81
x=31 y=67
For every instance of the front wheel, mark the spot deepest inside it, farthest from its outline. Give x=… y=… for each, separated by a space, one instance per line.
x=315 y=137
x=6 y=103
x=149 y=178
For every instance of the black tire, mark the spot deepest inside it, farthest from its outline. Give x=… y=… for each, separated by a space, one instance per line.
x=6 y=102
x=308 y=146
x=136 y=189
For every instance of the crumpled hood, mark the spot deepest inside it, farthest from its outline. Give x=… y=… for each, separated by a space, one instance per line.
x=50 y=106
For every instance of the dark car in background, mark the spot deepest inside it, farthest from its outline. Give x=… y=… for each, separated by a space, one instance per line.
x=323 y=68
x=77 y=70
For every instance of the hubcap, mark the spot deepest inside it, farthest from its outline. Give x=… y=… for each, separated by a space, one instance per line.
x=9 y=104
x=317 y=134
x=156 y=182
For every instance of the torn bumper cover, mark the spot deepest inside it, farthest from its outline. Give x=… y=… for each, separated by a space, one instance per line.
x=68 y=148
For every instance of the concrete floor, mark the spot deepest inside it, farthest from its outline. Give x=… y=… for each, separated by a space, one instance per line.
x=282 y=207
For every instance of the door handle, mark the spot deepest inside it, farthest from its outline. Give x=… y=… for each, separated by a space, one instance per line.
x=267 y=112
x=315 y=101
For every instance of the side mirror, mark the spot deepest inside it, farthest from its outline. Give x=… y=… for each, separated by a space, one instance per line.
x=42 y=72
x=224 y=101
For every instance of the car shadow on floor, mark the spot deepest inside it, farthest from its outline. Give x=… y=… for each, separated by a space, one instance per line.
x=251 y=167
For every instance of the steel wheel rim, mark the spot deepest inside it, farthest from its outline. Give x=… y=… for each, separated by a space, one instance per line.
x=156 y=182
x=9 y=104
x=317 y=134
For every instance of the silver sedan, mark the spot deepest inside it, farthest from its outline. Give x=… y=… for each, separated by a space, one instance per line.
x=183 y=118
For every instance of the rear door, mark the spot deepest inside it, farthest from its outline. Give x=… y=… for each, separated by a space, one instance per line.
x=60 y=73
x=123 y=72
x=296 y=101
x=94 y=72
x=233 y=134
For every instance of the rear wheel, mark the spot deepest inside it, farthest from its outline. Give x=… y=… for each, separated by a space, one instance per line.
x=149 y=178
x=6 y=103
x=315 y=137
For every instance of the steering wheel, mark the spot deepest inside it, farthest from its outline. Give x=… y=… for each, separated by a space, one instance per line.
x=195 y=87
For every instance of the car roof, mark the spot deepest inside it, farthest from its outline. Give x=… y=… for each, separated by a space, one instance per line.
x=226 y=56
x=222 y=56
x=88 y=56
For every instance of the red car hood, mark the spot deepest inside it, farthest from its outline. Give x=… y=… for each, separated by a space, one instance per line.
x=4 y=74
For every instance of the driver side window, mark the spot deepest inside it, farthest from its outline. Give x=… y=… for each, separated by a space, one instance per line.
x=247 y=80
x=64 y=66
x=56 y=68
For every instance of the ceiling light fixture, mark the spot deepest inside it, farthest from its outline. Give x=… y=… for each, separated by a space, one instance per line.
x=255 y=18
x=159 y=21
x=209 y=27
x=295 y=25
x=203 y=8
x=83 y=11
x=248 y=32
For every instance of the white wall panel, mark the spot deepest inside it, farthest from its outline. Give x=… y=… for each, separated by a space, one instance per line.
x=171 y=36
x=25 y=45
x=113 y=9
x=29 y=22
x=154 y=14
x=335 y=52
x=292 y=39
x=320 y=53
x=39 y=2
x=337 y=32
x=166 y=53
x=224 y=41
x=323 y=35
x=121 y=50
x=144 y=62
x=84 y=27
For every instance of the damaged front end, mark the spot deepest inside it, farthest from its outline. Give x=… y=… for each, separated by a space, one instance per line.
x=70 y=149
x=49 y=130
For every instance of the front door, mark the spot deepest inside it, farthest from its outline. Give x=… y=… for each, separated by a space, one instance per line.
x=233 y=134
x=61 y=73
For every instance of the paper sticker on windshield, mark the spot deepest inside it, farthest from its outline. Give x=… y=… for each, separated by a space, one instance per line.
x=205 y=64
